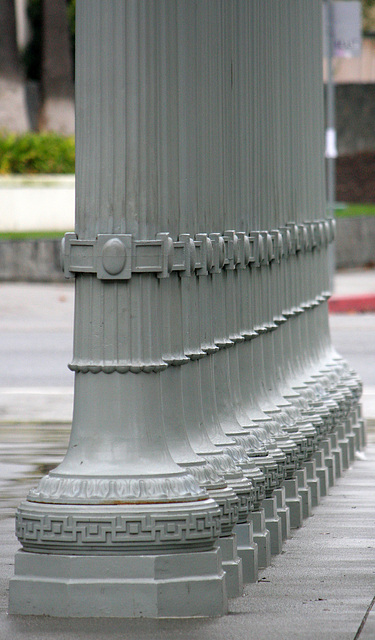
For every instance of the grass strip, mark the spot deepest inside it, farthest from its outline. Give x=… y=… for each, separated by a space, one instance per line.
x=31 y=235
x=355 y=209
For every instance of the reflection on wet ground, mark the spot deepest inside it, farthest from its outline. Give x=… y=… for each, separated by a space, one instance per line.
x=27 y=452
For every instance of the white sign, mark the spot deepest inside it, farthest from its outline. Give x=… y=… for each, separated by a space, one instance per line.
x=331 y=146
x=346 y=28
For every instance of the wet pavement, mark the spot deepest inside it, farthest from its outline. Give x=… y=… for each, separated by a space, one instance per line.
x=27 y=453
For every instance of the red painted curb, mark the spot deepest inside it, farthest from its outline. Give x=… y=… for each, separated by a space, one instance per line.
x=352 y=304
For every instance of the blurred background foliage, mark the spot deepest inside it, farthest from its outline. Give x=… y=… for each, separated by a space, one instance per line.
x=368 y=16
x=32 y=152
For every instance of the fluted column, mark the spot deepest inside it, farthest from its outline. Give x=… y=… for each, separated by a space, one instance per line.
x=119 y=491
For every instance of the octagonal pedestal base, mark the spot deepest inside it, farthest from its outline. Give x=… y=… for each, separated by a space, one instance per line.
x=294 y=502
x=329 y=461
x=273 y=524
x=247 y=549
x=358 y=427
x=362 y=433
x=261 y=537
x=232 y=565
x=349 y=434
x=283 y=512
x=313 y=482
x=343 y=444
x=321 y=472
x=304 y=492
x=337 y=454
x=158 y=586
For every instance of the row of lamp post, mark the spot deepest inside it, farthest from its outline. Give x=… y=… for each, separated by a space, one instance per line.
x=210 y=410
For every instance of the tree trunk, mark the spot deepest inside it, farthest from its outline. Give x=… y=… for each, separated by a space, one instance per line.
x=13 y=112
x=57 y=112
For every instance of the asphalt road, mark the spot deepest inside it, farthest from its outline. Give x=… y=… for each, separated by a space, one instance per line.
x=353 y=335
x=36 y=336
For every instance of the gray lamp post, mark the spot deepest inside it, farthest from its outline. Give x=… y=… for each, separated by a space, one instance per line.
x=119 y=505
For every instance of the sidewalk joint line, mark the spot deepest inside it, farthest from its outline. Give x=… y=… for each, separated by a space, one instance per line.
x=360 y=628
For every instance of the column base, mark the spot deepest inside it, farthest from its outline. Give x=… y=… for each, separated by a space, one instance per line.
x=329 y=461
x=350 y=438
x=159 y=586
x=313 y=482
x=273 y=524
x=304 y=492
x=362 y=433
x=247 y=549
x=343 y=444
x=336 y=453
x=294 y=502
x=321 y=472
x=232 y=565
x=357 y=431
x=358 y=427
x=283 y=512
x=262 y=538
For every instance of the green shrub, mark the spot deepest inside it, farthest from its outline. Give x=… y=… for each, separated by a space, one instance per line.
x=36 y=153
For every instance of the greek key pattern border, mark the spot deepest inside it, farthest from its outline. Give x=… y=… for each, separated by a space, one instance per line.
x=87 y=533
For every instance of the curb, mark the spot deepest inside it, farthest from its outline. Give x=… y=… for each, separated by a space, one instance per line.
x=361 y=303
x=36 y=260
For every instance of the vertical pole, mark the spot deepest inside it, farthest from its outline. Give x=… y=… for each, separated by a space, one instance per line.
x=331 y=148
x=331 y=140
